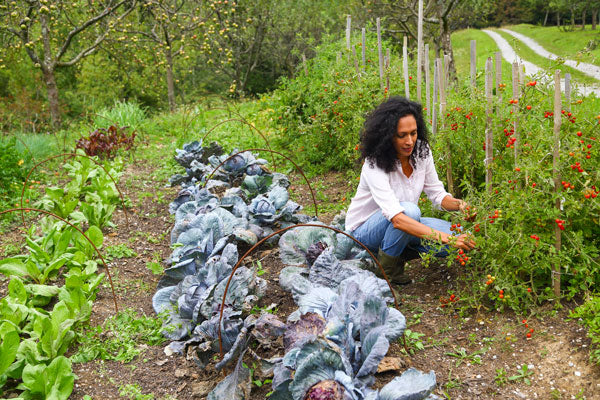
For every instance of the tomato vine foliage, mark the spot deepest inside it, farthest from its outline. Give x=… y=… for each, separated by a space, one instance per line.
x=106 y=142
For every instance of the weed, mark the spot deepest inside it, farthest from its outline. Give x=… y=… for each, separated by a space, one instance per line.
x=119 y=338
x=462 y=356
x=500 y=378
x=119 y=251
x=413 y=341
x=155 y=267
x=523 y=374
x=134 y=392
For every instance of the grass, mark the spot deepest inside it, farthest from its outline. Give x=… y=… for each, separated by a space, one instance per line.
x=486 y=47
x=524 y=52
x=570 y=44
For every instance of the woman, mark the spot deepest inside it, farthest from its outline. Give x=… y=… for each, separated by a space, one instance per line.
x=398 y=166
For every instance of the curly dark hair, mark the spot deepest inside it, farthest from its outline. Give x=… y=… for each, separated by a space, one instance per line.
x=379 y=129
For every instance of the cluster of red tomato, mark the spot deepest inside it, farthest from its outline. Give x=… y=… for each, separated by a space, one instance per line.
x=462 y=257
x=591 y=193
x=445 y=301
x=560 y=223
x=532 y=83
x=513 y=101
x=577 y=166
x=536 y=237
x=567 y=185
x=455 y=227
x=570 y=116
x=548 y=114
x=490 y=280
x=496 y=215
x=527 y=326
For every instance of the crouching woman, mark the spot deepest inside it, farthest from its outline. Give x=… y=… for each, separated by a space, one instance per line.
x=397 y=167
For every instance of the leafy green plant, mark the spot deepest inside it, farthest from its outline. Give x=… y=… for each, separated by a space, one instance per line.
x=119 y=251
x=523 y=374
x=119 y=338
x=500 y=378
x=134 y=392
x=54 y=381
x=13 y=168
x=588 y=314
x=413 y=341
x=462 y=356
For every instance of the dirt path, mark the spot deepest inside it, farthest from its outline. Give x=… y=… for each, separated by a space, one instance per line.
x=588 y=69
x=531 y=69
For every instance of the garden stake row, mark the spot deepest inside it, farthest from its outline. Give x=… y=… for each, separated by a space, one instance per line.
x=237 y=265
x=275 y=152
x=71 y=155
x=244 y=122
x=112 y=287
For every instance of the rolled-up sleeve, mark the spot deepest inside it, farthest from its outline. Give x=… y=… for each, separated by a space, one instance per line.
x=381 y=191
x=432 y=186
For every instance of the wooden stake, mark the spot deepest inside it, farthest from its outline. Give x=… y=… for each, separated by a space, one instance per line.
x=304 y=64
x=515 y=108
x=419 y=50
x=427 y=84
x=442 y=76
x=364 y=48
x=380 y=53
x=473 y=65
x=348 y=32
x=489 y=154
x=405 y=67
x=387 y=69
x=568 y=91
x=434 y=102
x=556 y=173
x=356 y=67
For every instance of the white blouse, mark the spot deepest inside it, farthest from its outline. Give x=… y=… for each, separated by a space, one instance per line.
x=380 y=190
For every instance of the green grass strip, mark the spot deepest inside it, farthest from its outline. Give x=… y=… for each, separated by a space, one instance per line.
x=524 y=52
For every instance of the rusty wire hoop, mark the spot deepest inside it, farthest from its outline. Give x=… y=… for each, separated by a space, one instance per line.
x=276 y=152
x=84 y=235
x=237 y=265
x=71 y=155
x=244 y=122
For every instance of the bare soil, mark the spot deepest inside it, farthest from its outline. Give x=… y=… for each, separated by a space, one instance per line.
x=557 y=353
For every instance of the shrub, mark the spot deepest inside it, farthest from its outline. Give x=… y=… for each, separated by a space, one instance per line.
x=13 y=168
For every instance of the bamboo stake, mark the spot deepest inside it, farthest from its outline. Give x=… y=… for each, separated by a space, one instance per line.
x=427 y=84
x=380 y=53
x=568 y=91
x=515 y=108
x=304 y=64
x=473 y=65
x=488 y=126
x=405 y=67
x=446 y=74
x=434 y=102
x=556 y=174
x=364 y=48
x=419 y=50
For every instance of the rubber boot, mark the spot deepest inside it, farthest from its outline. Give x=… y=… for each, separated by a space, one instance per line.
x=394 y=266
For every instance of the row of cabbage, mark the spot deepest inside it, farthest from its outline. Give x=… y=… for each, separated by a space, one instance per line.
x=332 y=344
x=38 y=317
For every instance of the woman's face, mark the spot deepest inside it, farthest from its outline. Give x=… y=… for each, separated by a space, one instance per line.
x=406 y=136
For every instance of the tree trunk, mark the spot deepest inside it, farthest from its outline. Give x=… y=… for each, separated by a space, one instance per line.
x=572 y=19
x=558 y=19
x=170 y=81
x=594 y=16
x=52 y=91
x=583 y=15
x=546 y=17
x=446 y=47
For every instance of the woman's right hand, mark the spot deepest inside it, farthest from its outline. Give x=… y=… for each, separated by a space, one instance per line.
x=464 y=241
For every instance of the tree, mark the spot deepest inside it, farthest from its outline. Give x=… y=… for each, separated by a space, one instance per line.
x=59 y=34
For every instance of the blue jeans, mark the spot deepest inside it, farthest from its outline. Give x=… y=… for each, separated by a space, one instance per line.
x=379 y=233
